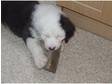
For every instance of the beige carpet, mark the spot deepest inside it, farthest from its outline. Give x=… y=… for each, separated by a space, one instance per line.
x=87 y=58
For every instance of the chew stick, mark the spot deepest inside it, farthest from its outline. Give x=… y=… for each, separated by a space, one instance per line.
x=53 y=59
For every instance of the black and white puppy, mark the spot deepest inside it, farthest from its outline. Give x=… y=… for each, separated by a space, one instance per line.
x=33 y=22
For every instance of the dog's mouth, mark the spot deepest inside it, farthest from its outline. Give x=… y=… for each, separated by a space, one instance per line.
x=51 y=50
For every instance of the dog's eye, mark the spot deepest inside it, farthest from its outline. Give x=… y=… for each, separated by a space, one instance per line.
x=62 y=40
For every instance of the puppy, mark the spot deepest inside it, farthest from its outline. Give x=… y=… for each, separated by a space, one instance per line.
x=34 y=22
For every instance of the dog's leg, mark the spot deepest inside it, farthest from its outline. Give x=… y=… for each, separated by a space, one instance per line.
x=34 y=46
x=37 y=52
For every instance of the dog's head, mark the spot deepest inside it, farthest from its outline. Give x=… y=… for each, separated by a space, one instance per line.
x=54 y=36
x=53 y=26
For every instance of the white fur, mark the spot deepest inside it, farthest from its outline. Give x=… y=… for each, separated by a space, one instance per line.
x=37 y=52
x=45 y=20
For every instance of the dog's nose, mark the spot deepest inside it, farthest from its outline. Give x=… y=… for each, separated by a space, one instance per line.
x=52 y=48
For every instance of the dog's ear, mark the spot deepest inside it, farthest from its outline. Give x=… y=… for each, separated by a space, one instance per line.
x=68 y=27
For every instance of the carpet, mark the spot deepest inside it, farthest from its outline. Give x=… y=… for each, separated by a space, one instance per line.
x=86 y=58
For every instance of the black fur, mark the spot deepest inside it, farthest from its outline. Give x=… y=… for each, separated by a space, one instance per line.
x=68 y=27
x=17 y=15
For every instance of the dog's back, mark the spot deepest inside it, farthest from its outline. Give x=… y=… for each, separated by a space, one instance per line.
x=17 y=14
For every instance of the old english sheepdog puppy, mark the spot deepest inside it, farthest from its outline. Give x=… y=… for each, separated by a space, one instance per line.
x=33 y=21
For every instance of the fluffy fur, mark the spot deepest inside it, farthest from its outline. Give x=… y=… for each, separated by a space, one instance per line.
x=36 y=22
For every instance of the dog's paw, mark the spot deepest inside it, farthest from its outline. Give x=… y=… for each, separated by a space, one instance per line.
x=41 y=61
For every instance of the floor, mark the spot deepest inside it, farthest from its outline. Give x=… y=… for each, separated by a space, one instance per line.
x=86 y=58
